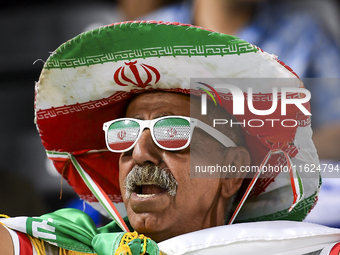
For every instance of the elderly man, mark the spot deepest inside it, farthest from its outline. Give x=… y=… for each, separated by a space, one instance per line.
x=146 y=85
x=164 y=211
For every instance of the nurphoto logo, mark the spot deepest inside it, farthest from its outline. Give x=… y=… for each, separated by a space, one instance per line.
x=282 y=95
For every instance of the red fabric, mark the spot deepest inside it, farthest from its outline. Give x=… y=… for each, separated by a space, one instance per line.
x=107 y=177
x=335 y=250
x=25 y=244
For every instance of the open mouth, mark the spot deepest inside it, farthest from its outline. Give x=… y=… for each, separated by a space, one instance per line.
x=149 y=181
x=148 y=190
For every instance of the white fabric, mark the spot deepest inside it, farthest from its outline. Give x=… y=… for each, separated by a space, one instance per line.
x=260 y=238
x=327 y=249
x=17 y=223
x=179 y=70
x=35 y=251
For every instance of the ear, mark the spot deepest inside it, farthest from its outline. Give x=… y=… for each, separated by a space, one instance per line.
x=236 y=158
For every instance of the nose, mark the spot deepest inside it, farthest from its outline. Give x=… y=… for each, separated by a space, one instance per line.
x=146 y=151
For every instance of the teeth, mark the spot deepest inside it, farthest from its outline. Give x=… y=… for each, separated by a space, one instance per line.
x=145 y=195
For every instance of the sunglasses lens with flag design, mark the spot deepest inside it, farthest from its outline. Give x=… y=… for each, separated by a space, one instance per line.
x=172 y=133
x=122 y=134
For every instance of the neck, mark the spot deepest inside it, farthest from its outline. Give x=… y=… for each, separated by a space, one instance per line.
x=224 y=16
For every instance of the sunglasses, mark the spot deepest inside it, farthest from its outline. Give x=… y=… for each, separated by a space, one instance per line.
x=170 y=133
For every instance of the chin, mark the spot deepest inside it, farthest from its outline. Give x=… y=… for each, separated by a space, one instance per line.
x=150 y=227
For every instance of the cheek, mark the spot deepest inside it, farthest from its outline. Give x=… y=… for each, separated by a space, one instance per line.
x=178 y=164
x=189 y=187
x=205 y=149
x=191 y=190
x=198 y=198
x=203 y=188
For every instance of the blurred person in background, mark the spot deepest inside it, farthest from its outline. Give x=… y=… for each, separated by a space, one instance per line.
x=165 y=10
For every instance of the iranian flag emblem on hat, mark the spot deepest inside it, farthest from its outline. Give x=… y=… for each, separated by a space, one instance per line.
x=122 y=73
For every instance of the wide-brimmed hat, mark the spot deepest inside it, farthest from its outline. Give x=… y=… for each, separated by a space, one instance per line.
x=91 y=78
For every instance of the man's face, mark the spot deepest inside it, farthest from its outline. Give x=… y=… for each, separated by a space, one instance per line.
x=198 y=202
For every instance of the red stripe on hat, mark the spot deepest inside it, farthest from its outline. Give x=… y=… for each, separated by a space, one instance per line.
x=335 y=250
x=25 y=244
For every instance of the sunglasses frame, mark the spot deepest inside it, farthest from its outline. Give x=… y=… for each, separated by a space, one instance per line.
x=219 y=136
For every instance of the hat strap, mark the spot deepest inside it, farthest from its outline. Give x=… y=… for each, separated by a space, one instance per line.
x=94 y=187
x=295 y=181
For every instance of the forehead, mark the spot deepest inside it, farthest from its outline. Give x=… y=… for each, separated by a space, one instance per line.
x=156 y=104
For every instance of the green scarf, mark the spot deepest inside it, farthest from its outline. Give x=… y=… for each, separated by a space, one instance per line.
x=74 y=230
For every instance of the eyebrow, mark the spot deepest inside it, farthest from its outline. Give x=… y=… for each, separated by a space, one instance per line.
x=162 y=114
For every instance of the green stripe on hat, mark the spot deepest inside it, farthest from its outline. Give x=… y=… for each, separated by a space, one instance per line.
x=96 y=46
x=297 y=214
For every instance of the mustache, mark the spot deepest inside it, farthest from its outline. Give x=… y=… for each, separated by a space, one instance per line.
x=150 y=175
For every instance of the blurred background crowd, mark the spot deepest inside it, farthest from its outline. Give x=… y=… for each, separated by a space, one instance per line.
x=305 y=34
